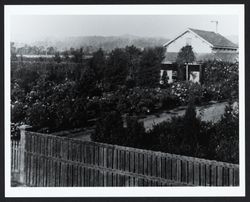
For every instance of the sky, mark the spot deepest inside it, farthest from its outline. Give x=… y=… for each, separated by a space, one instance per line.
x=28 y=28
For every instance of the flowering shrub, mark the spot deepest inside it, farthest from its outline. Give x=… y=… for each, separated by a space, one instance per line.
x=186 y=91
x=221 y=79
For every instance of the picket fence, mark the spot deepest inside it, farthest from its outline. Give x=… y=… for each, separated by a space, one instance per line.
x=58 y=161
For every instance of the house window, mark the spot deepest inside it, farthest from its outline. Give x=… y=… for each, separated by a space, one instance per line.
x=188 y=41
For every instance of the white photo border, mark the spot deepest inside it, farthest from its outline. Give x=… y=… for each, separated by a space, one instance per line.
x=181 y=9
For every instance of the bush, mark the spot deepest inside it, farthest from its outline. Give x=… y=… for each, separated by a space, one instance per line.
x=225 y=138
x=135 y=133
x=221 y=79
x=109 y=129
x=186 y=132
x=18 y=112
x=189 y=136
x=186 y=91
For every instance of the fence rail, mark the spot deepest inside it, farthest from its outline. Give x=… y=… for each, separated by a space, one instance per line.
x=59 y=161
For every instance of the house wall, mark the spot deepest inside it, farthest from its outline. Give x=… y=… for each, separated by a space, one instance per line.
x=199 y=45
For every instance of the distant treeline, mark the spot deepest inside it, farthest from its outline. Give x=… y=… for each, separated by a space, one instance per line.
x=89 y=44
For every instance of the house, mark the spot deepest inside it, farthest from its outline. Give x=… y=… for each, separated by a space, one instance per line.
x=206 y=45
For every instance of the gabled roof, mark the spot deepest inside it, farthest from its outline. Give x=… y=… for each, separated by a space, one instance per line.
x=215 y=40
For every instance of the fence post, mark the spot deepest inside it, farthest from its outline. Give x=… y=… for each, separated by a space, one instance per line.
x=22 y=152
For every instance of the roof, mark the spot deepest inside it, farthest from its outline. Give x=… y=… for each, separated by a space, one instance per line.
x=213 y=39
x=225 y=57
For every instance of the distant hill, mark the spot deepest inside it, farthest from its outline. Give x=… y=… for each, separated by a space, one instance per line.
x=93 y=43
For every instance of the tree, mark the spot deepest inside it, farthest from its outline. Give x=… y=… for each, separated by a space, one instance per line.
x=164 y=79
x=185 y=56
x=117 y=68
x=57 y=57
x=225 y=140
x=77 y=55
x=66 y=55
x=149 y=70
x=50 y=50
x=98 y=64
x=134 y=61
x=86 y=83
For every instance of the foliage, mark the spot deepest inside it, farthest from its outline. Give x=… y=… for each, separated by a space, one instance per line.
x=187 y=90
x=117 y=68
x=226 y=136
x=18 y=111
x=136 y=101
x=219 y=141
x=186 y=132
x=25 y=78
x=109 y=128
x=57 y=57
x=54 y=96
x=77 y=55
x=221 y=79
x=134 y=55
x=164 y=80
x=194 y=137
x=98 y=64
x=149 y=69
x=185 y=55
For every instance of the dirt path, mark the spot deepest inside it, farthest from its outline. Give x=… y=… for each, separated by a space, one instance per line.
x=211 y=112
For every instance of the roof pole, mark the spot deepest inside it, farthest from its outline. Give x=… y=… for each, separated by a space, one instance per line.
x=216 y=24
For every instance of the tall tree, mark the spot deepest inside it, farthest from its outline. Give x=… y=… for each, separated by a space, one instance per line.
x=184 y=57
x=149 y=70
x=98 y=64
x=117 y=68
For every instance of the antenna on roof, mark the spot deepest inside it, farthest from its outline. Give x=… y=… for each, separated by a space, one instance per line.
x=216 y=22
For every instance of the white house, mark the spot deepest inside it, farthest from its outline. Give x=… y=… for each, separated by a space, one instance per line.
x=206 y=45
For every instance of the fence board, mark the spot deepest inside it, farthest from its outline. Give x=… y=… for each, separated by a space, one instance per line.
x=58 y=161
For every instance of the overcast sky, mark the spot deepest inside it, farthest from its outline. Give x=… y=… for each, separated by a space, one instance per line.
x=27 y=28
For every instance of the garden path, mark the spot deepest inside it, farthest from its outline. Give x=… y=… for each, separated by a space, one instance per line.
x=211 y=112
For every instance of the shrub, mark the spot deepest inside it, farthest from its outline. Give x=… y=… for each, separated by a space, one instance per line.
x=225 y=138
x=186 y=132
x=135 y=133
x=18 y=112
x=186 y=91
x=188 y=135
x=109 y=129
x=221 y=79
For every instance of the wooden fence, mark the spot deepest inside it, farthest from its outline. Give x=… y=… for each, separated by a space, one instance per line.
x=58 y=161
x=15 y=156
